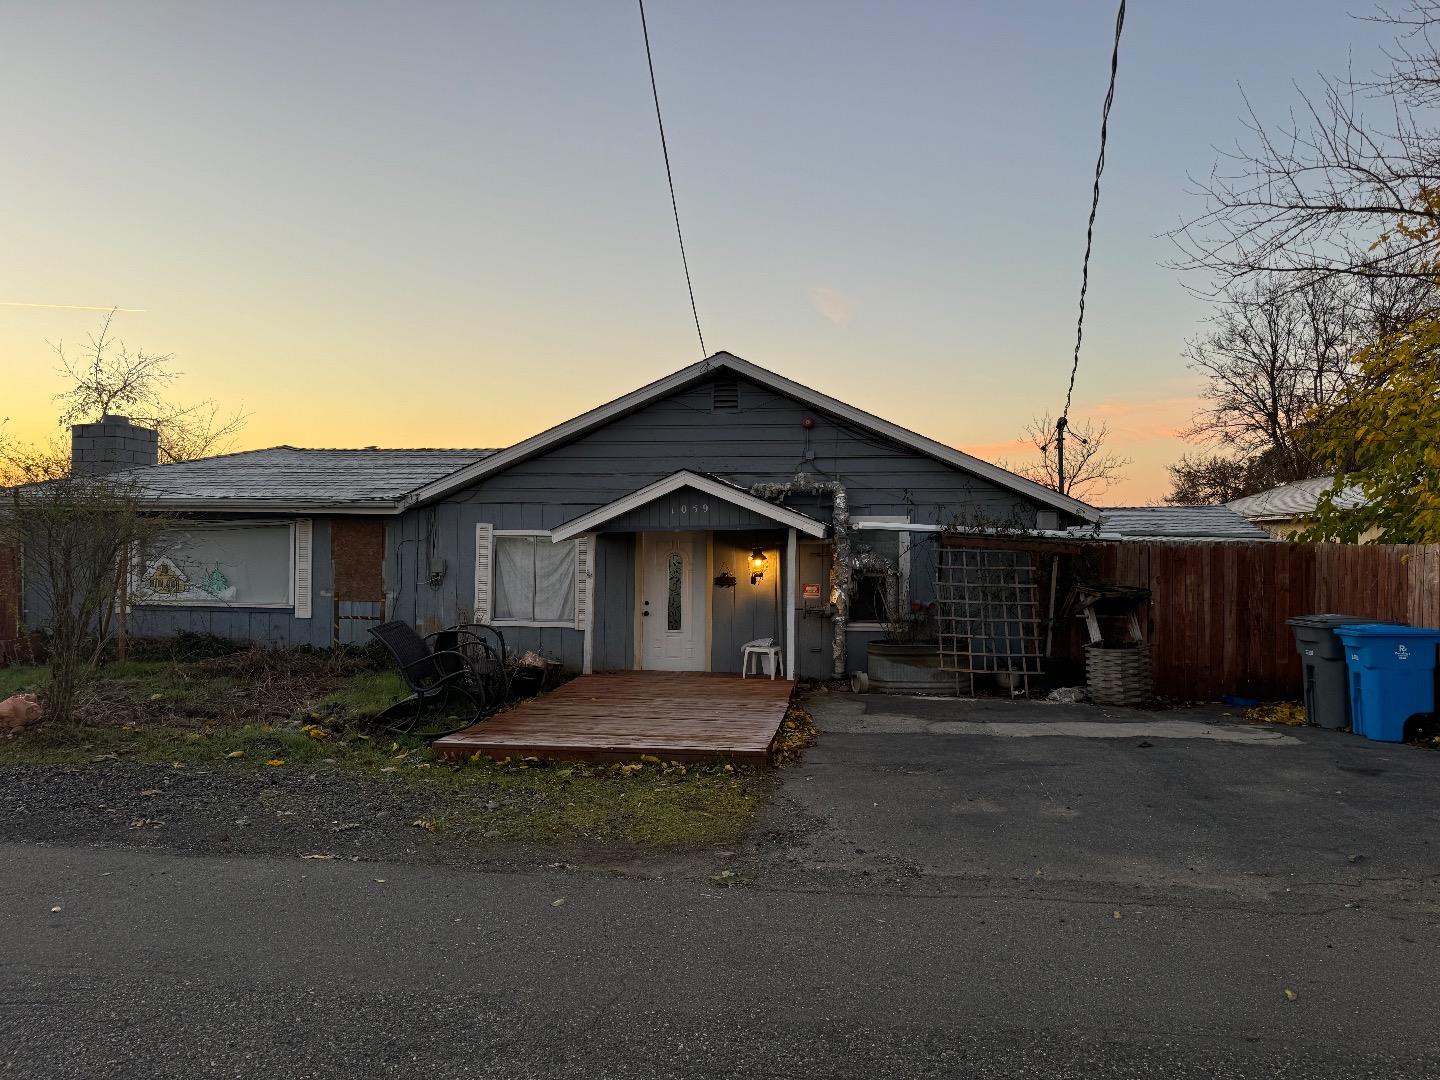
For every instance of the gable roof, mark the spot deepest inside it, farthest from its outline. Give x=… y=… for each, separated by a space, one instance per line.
x=710 y=485
x=1179 y=523
x=724 y=361
x=294 y=478
x=1289 y=501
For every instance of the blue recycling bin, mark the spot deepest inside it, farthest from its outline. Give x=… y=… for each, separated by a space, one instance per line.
x=1392 y=676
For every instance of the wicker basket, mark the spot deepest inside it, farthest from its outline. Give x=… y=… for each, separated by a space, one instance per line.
x=1118 y=676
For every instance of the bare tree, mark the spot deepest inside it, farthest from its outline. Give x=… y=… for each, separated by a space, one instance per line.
x=1358 y=160
x=1198 y=479
x=1089 y=467
x=1279 y=356
x=108 y=377
x=27 y=463
x=77 y=535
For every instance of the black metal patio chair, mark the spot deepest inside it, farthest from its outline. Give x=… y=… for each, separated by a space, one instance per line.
x=487 y=659
x=436 y=668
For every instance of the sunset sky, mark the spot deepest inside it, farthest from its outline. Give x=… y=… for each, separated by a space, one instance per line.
x=447 y=224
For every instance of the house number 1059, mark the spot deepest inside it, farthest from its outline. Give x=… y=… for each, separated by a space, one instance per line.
x=695 y=508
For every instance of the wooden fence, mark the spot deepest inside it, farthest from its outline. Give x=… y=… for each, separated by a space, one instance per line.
x=1217 y=611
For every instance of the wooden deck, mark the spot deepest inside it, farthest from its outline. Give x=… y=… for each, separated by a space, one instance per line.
x=676 y=716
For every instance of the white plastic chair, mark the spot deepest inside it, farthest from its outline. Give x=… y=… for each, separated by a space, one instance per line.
x=766 y=654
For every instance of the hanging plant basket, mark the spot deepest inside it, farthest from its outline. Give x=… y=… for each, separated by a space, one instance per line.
x=1119 y=675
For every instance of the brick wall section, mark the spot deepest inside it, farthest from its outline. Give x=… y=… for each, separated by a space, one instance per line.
x=14 y=645
x=357 y=549
x=111 y=444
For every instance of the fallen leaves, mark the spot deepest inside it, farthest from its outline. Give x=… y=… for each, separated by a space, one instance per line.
x=422 y=823
x=276 y=761
x=1284 y=712
x=315 y=731
x=797 y=734
x=1290 y=995
x=146 y=823
x=235 y=754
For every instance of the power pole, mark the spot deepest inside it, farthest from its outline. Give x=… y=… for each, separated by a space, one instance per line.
x=1060 y=426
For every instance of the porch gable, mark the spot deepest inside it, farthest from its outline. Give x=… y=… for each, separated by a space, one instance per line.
x=687 y=500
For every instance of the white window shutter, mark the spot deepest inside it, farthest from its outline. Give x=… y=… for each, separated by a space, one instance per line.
x=584 y=545
x=304 y=554
x=484 y=546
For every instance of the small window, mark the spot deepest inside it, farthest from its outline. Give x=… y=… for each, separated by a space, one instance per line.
x=868 y=604
x=725 y=395
x=534 y=580
x=675 y=593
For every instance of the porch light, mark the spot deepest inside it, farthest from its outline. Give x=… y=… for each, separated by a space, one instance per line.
x=758 y=562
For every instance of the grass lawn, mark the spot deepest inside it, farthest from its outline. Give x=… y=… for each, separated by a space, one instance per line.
x=192 y=714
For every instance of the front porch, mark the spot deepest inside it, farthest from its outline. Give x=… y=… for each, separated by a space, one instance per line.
x=674 y=716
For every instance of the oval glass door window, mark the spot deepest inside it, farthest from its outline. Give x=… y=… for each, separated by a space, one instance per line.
x=675 y=592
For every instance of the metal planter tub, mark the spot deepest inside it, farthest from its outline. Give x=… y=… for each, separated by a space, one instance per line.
x=906 y=668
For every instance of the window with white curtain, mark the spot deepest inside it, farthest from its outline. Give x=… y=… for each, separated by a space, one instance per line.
x=239 y=565
x=534 y=579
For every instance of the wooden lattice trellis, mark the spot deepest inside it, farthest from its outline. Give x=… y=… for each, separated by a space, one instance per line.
x=990 y=616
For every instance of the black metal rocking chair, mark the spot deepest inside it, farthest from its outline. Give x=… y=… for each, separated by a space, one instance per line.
x=455 y=661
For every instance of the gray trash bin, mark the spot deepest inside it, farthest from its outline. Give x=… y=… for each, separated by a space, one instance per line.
x=1322 y=658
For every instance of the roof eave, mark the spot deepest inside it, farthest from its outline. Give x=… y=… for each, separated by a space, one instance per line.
x=271 y=506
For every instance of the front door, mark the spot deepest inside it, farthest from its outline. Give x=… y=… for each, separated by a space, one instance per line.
x=672 y=601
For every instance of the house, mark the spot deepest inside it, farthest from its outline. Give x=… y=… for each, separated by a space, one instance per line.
x=661 y=530
x=1177 y=523
x=1281 y=510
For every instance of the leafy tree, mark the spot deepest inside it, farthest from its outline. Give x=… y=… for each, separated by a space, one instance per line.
x=1384 y=438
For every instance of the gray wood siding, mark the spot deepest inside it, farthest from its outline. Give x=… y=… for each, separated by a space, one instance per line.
x=613 y=643
x=763 y=442
x=743 y=612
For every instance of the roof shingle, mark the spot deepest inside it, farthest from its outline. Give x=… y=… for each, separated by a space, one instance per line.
x=289 y=474
x=1179 y=523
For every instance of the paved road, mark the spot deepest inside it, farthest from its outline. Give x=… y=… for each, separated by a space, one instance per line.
x=168 y=966
x=917 y=955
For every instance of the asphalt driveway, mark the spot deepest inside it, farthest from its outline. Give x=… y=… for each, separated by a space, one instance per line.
x=938 y=793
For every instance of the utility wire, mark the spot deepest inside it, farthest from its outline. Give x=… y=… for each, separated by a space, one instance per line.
x=1094 y=208
x=670 y=179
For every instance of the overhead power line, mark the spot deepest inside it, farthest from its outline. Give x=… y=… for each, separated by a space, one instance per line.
x=1094 y=207
x=1063 y=422
x=670 y=179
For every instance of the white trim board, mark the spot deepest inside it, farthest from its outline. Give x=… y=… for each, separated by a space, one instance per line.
x=636 y=399
x=685 y=478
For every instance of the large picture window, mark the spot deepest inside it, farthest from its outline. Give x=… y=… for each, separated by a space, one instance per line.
x=240 y=565
x=534 y=579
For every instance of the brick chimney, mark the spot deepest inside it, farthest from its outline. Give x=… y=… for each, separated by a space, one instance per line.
x=111 y=444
